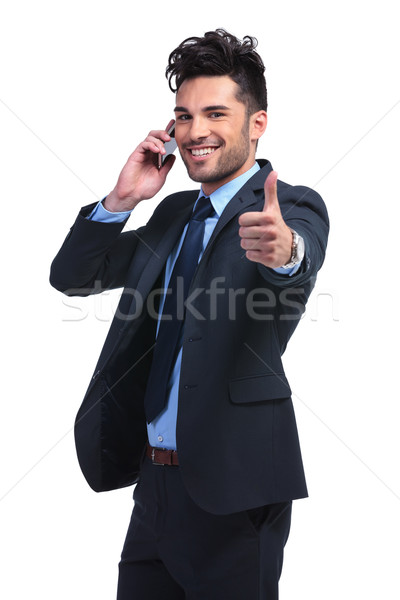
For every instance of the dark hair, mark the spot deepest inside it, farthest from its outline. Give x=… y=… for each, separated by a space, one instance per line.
x=220 y=53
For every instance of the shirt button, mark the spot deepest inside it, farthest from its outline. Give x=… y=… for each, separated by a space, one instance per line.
x=160 y=438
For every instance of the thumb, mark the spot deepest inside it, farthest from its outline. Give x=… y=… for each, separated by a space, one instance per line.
x=271 y=193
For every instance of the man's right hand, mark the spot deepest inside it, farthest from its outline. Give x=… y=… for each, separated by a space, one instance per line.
x=140 y=179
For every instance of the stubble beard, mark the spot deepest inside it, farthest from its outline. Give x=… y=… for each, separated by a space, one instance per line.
x=228 y=164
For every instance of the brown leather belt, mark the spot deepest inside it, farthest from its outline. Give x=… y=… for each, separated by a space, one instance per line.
x=161 y=456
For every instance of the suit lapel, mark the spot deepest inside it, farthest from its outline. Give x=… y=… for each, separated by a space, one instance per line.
x=249 y=195
x=160 y=246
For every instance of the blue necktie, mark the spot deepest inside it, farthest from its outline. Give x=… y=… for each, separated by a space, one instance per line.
x=171 y=323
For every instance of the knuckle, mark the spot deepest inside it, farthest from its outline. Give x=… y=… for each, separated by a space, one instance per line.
x=250 y=255
x=269 y=233
x=270 y=219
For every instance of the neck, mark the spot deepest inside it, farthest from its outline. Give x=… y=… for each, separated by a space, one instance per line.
x=210 y=186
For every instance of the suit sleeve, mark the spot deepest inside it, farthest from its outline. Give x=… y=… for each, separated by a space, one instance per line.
x=304 y=211
x=94 y=257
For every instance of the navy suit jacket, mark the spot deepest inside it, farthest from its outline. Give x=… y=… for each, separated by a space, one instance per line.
x=236 y=432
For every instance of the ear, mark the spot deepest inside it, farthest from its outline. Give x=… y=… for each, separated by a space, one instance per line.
x=258 y=124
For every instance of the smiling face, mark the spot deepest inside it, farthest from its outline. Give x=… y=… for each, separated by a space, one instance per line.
x=215 y=136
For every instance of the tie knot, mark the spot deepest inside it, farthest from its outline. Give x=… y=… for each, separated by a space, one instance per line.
x=203 y=209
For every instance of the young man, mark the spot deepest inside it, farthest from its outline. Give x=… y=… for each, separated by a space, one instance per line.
x=189 y=397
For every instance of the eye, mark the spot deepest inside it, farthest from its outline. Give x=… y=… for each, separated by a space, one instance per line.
x=183 y=118
x=216 y=115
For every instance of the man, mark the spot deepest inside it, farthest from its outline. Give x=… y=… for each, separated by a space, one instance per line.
x=189 y=397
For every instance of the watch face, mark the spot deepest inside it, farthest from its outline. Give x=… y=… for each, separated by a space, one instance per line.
x=300 y=249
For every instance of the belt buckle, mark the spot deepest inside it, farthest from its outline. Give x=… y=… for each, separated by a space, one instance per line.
x=153 y=458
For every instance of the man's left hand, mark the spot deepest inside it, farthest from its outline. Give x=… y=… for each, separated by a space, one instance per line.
x=265 y=236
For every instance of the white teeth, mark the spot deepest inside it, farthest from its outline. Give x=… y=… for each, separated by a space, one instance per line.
x=202 y=151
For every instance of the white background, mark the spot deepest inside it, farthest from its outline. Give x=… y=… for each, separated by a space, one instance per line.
x=81 y=84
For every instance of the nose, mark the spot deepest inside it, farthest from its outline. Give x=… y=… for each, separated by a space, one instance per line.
x=199 y=128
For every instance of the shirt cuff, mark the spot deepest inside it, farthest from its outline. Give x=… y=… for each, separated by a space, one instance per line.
x=289 y=270
x=101 y=214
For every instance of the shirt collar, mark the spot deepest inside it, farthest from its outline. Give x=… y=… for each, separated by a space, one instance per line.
x=220 y=198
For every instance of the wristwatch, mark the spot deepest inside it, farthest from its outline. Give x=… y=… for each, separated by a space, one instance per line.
x=297 y=250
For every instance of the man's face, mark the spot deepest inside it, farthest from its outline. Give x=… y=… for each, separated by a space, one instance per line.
x=212 y=131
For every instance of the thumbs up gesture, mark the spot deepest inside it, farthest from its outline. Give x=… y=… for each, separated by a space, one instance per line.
x=264 y=235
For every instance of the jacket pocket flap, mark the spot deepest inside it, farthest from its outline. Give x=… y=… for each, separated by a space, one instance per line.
x=260 y=388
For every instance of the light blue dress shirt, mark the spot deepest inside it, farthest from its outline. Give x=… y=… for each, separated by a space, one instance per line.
x=161 y=431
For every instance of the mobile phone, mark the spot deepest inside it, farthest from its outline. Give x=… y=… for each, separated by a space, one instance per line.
x=170 y=146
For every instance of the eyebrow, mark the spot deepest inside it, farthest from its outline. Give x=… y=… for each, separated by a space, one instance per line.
x=205 y=109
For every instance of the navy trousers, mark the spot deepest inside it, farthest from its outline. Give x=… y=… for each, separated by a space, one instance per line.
x=174 y=550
